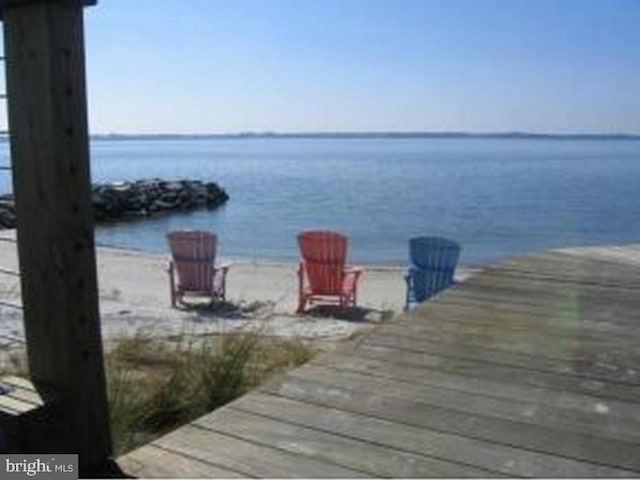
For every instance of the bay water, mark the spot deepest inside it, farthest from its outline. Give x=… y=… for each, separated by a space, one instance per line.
x=496 y=196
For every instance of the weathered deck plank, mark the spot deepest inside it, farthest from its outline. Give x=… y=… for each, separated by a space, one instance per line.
x=619 y=423
x=247 y=457
x=611 y=319
x=500 y=374
x=349 y=452
x=524 y=431
x=527 y=369
x=21 y=398
x=552 y=360
x=157 y=462
x=500 y=335
x=489 y=455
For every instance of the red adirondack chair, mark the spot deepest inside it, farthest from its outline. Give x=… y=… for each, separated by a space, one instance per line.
x=193 y=263
x=323 y=267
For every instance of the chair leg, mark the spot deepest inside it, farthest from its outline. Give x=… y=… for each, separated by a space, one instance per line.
x=172 y=286
x=218 y=296
x=407 y=279
x=302 y=302
x=223 y=285
x=407 y=299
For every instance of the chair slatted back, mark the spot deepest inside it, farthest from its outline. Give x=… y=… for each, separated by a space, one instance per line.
x=324 y=254
x=434 y=260
x=194 y=254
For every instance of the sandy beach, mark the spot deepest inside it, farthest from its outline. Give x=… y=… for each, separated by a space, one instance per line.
x=134 y=297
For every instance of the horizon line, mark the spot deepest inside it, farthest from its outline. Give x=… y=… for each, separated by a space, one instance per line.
x=373 y=134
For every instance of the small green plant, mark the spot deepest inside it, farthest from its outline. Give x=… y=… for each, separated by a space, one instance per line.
x=155 y=385
x=126 y=405
x=230 y=371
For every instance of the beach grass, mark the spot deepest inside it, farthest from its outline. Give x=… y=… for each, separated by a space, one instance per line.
x=154 y=386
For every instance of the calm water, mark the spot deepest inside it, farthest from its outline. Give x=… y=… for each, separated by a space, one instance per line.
x=497 y=197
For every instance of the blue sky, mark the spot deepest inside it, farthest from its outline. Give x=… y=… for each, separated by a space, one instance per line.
x=225 y=66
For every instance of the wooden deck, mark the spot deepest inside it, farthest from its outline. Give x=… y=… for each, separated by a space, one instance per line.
x=531 y=368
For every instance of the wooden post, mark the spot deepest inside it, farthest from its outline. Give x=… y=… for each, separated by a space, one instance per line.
x=44 y=50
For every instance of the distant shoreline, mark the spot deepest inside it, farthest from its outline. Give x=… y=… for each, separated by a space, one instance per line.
x=367 y=135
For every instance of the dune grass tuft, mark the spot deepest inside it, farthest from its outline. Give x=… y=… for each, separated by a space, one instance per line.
x=154 y=385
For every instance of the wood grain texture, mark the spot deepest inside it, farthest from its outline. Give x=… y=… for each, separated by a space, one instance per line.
x=47 y=112
x=527 y=369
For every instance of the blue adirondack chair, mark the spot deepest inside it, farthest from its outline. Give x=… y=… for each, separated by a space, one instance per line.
x=432 y=262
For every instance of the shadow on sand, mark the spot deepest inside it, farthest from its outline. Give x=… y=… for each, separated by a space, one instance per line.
x=225 y=310
x=351 y=314
x=232 y=311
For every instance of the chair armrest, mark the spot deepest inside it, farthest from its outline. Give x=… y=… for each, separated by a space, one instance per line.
x=224 y=266
x=351 y=275
x=352 y=272
x=414 y=268
x=351 y=269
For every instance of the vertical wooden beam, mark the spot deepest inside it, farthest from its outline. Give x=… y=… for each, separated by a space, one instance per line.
x=44 y=50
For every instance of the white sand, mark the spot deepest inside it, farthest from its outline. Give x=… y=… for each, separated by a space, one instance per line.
x=134 y=296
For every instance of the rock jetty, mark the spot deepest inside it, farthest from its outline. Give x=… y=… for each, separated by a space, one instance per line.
x=141 y=198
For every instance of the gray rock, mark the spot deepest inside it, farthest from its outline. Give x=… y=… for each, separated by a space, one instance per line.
x=122 y=199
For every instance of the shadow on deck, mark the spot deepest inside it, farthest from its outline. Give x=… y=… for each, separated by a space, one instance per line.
x=530 y=368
